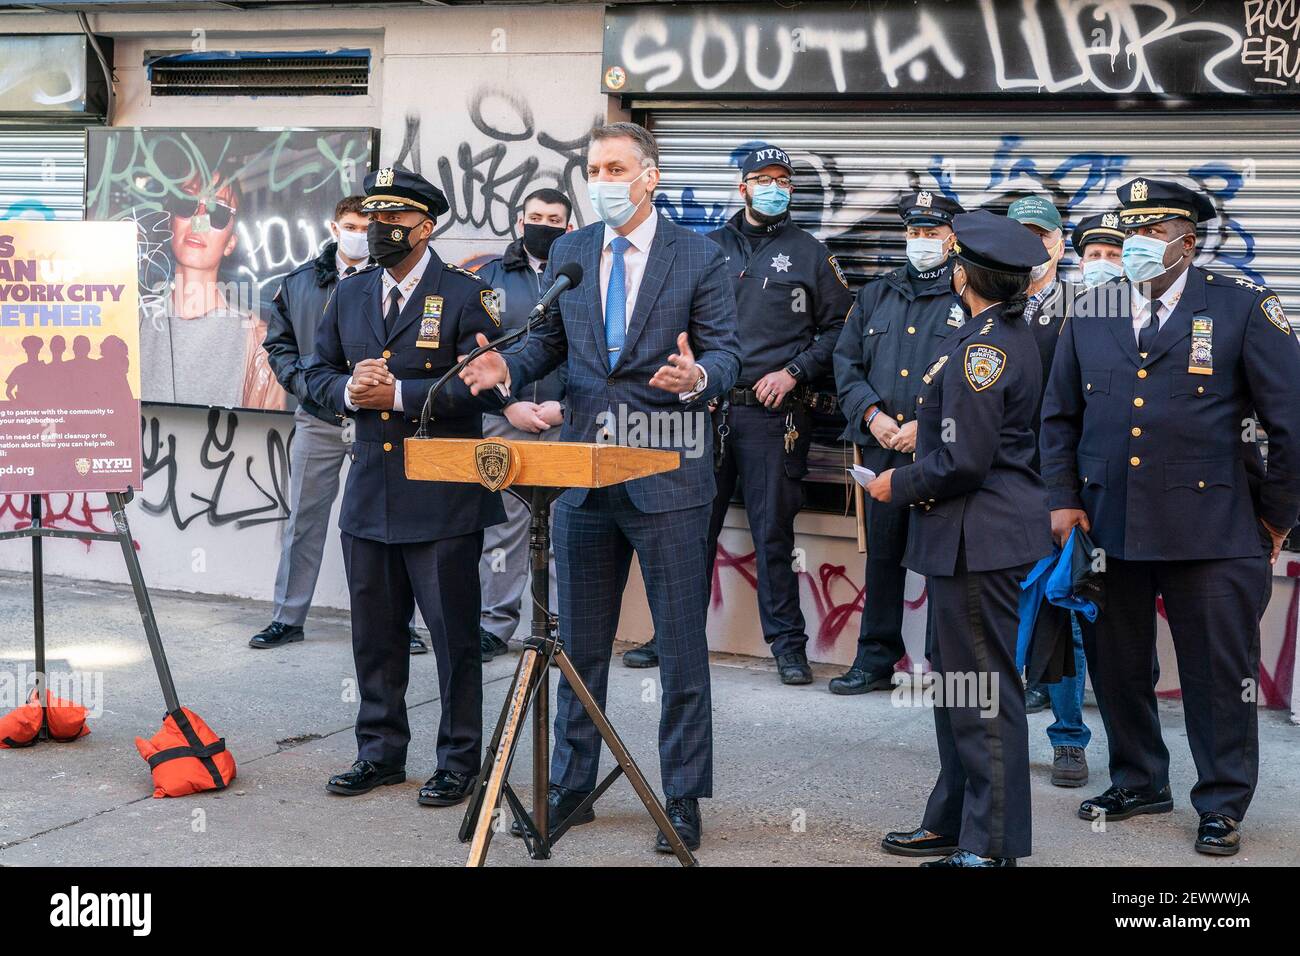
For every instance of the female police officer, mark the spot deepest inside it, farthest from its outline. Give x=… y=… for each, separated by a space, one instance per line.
x=980 y=521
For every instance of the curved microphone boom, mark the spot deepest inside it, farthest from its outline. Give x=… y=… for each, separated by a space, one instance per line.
x=568 y=276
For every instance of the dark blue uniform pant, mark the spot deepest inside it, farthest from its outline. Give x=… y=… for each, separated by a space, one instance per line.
x=385 y=582
x=981 y=798
x=754 y=457
x=1214 y=608
x=880 y=636
x=594 y=543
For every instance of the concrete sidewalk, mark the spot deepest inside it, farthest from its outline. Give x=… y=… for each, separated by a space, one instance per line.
x=801 y=777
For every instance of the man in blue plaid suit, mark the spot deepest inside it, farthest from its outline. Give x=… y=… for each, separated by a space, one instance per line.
x=648 y=339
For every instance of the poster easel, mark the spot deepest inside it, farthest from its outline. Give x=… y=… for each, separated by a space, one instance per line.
x=117 y=501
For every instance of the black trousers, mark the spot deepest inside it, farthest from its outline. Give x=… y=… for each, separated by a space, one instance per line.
x=385 y=582
x=754 y=456
x=982 y=795
x=1214 y=608
x=880 y=635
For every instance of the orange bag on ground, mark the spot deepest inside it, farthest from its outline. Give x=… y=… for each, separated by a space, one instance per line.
x=186 y=756
x=67 y=721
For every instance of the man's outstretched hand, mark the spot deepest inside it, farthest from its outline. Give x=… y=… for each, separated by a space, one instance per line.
x=485 y=372
x=681 y=374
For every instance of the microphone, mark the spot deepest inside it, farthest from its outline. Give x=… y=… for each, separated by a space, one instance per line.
x=569 y=276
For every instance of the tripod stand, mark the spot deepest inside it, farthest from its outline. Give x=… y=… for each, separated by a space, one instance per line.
x=531 y=690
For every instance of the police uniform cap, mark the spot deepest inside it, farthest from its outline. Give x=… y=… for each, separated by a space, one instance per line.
x=764 y=155
x=996 y=242
x=1100 y=228
x=1035 y=211
x=1145 y=201
x=395 y=188
x=927 y=207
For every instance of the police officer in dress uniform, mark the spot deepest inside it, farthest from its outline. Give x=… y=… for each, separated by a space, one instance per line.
x=1098 y=241
x=898 y=323
x=1149 y=441
x=980 y=521
x=388 y=333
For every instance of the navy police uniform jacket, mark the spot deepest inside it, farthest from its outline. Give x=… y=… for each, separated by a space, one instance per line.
x=380 y=503
x=1165 y=460
x=791 y=299
x=972 y=487
x=894 y=330
x=518 y=288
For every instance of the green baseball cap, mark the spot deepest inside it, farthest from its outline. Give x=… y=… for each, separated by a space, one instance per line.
x=1035 y=211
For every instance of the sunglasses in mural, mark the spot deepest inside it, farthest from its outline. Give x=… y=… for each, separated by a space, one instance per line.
x=187 y=207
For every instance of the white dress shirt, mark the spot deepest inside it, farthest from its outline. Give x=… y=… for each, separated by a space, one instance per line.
x=635 y=258
x=404 y=290
x=1168 y=302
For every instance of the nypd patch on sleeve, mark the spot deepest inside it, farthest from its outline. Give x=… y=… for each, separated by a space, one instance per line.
x=1273 y=310
x=839 y=273
x=491 y=302
x=984 y=365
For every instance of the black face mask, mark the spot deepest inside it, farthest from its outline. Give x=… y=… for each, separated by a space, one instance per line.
x=539 y=237
x=389 y=242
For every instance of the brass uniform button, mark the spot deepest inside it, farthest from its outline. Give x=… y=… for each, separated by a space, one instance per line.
x=428 y=365
x=1088 y=387
x=903 y=372
x=384 y=415
x=1135 y=461
x=1138 y=401
x=1137 y=433
x=920 y=400
x=900 y=416
x=388 y=446
x=1142 y=373
x=1200 y=389
x=387 y=354
x=1200 y=484
x=911 y=330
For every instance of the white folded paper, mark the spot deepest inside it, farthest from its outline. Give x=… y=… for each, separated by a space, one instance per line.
x=861 y=475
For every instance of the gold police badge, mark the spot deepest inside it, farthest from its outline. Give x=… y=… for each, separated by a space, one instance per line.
x=491 y=301
x=495 y=463
x=1139 y=191
x=924 y=198
x=1110 y=221
x=384 y=177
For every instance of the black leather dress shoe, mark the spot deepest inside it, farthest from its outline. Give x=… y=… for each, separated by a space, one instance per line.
x=490 y=646
x=277 y=635
x=855 y=680
x=684 y=814
x=1036 y=700
x=417 y=646
x=794 y=668
x=647 y=655
x=560 y=802
x=1120 y=804
x=1218 y=835
x=364 y=776
x=446 y=788
x=918 y=842
x=966 y=859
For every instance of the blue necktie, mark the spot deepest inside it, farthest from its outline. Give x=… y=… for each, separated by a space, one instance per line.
x=616 y=301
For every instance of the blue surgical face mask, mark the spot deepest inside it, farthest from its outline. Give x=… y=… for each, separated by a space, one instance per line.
x=770 y=200
x=613 y=201
x=1144 y=257
x=925 y=254
x=1097 y=271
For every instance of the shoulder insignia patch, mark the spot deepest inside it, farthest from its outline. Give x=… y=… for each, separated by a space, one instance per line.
x=1250 y=285
x=1274 y=312
x=491 y=300
x=984 y=365
x=839 y=273
x=464 y=272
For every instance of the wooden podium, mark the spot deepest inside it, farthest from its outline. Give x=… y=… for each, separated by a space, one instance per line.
x=544 y=470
